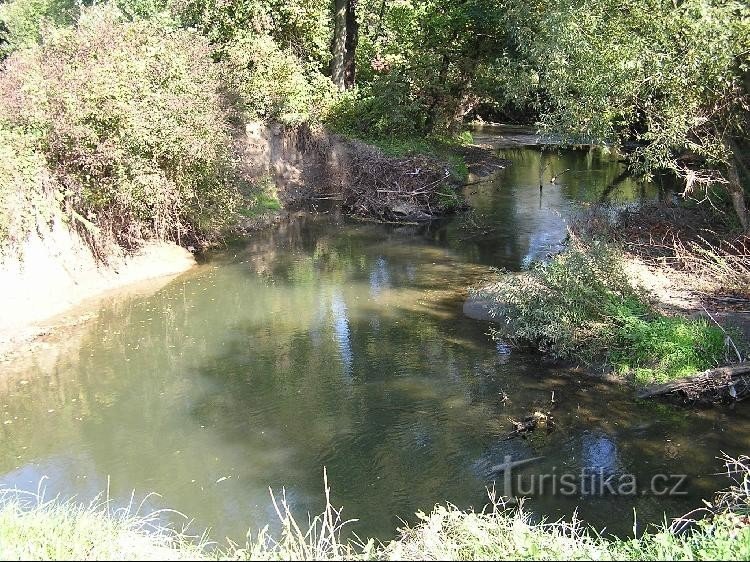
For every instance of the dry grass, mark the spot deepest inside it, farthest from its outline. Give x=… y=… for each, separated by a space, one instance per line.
x=688 y=243
x=31 y=528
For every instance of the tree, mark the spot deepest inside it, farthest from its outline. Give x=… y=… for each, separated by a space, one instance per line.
x=344 y=43
x=665 y=81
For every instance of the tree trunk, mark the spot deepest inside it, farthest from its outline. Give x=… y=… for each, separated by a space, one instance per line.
x=338 y=44
x=737 y=193
x=352 y=37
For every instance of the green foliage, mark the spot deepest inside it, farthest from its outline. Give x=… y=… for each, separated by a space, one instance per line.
x=25 y=188
x=272 y=83
x=565 y=306
x=131 y=122
x=439 y=58
x=581 y=303
x=385 y=109
x=301 y=26
x=261 y=198
x=660 y=348
x=667 y=79
x=24 y=19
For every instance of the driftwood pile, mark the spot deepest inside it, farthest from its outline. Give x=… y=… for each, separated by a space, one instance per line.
x=723 y=384
x=397 y=189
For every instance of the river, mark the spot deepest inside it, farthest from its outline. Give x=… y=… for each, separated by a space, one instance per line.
x=325 y=342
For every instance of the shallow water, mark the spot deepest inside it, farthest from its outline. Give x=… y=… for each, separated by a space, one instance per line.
x=330 y=343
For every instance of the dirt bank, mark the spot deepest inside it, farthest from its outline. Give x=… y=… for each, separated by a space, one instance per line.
x=308 y=164
x=57 y=271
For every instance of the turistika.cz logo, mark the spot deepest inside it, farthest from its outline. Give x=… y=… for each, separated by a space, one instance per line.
x=588 y=482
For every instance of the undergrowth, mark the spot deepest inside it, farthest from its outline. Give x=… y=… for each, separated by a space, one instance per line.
x=581 y=305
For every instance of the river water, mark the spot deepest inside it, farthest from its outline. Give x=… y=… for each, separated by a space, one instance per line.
x=331 y=343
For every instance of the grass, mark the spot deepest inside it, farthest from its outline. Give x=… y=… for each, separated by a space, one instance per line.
x=581 y=305
x=437 y=147
x=34 y=529
x=260 y=199
x=661 y=348
x=724 y=266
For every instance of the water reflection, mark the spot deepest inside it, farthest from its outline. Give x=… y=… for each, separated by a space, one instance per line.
x=341 y=329
x=331 y=344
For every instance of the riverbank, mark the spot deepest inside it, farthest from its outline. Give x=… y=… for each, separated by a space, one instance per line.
x=55 y=272
x=649 y=286
x=52 y=530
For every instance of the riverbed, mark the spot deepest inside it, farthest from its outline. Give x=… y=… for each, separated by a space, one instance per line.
x=329 y=343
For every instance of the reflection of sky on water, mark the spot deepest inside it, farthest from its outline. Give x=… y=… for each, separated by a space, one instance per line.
x=503 y=352
x=380 y=276
x=599 y=454
x=55 y=475
x=341 y=331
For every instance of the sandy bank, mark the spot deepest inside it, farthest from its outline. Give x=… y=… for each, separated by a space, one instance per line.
x=57 y=271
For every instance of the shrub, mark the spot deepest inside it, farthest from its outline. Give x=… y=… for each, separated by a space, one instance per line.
x=131 y=122
x=565 y=306
x=25 y=188
x=21 y=21
x=581 y=305
x=272 y=82
x=386 y=108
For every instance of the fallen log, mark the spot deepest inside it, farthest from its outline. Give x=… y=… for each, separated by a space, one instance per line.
x=731 y=382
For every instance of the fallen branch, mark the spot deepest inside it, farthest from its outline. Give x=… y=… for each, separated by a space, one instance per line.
x=398 y=189
x=715 y=385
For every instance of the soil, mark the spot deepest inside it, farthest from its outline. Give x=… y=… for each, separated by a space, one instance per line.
x=56 y=272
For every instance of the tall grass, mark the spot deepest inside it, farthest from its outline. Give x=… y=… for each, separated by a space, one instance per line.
x=31 y=528
x=724 y=266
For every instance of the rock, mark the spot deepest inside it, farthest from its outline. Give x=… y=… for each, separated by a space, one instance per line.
x=478 y=308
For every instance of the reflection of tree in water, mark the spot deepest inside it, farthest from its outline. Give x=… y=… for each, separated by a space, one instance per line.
x=513 y=222
x=278 y=358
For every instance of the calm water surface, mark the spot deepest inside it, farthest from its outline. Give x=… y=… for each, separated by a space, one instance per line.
x=330 y=343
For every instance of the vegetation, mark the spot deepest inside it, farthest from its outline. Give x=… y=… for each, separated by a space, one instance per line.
x=134 y=153
x=34 y=529
x=665 y=82
x=581 y=302
x=24 y=187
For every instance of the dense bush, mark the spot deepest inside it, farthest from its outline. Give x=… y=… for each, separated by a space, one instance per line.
x=387 y=108
x=273 y=83
x=26 y=190
x=668 y=80
x=21 y=21
x=581 y=305
x=132 y=124
x=302 y=26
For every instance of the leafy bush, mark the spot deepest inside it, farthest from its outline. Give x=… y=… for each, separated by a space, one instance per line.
x=581 y=305
x=131 y=122
x=23 y=21
x=273 y=83
x=669 y=79
x=387 y=108
x=565 y=307
x=25 y=188
x=303 y=26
